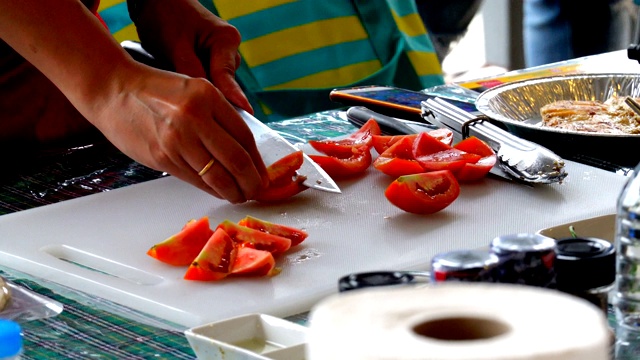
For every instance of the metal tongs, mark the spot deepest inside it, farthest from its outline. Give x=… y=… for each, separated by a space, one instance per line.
x=522 y=159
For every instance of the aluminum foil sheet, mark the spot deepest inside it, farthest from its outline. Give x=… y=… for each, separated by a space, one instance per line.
x=518 y=104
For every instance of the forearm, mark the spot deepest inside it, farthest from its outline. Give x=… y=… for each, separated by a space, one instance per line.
x=68 y=45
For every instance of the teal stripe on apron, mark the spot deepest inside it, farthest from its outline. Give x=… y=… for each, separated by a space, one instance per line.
x=116 y=17
x=312 y=62
x=403 y=7
x=419 y=43
x=287 y=16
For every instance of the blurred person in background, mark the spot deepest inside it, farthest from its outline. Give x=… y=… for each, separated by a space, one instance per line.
x=557 y=30
x=447 y=21
x=293 y=53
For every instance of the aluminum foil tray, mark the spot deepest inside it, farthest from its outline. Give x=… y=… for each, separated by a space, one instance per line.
x=517 y=106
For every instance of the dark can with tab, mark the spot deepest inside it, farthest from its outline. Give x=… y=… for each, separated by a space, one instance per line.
x=525 y=259
x=464 y=265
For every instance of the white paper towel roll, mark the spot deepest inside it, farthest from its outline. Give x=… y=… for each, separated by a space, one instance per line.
x=459 y=321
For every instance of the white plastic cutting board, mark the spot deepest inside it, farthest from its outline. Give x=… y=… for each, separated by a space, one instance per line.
x=352 y=232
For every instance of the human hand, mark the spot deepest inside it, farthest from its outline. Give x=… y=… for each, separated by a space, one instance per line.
x=175 y=123
x=195 y=41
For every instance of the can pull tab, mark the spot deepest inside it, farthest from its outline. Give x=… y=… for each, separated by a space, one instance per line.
x=381 y=278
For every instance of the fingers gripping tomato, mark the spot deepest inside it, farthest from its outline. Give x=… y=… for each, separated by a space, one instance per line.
x=424 y=193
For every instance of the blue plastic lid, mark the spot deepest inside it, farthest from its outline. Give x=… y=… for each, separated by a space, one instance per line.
x=10 y=338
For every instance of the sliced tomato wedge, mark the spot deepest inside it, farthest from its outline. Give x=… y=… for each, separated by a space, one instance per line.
x=476 y=171
x=215 y=260
x=341 y=168
x=445 y=136
x=398 y=159
x=424 y=193
x=282 y=171
x=382 y=142
x=344 y=148
x=295 y=235
x=274 y=194
x=244 y=236
x=284 y=182
x=252 y=262
x=180 y=249
x=434 y=155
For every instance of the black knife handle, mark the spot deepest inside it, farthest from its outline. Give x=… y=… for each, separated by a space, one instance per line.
x=359 y=115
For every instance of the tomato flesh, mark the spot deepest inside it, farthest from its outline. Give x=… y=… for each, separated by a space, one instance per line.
x=424 y=193
x=295 y=235
x=274 y=194
x=252 y=262
x=355 y=142
x=180 y=249
x=398 y=159
x=382 y=142
x=478 y=170
x=244 y=236
x=215 y=260
x=341 y=168
x=282 y=171
x=284 y=182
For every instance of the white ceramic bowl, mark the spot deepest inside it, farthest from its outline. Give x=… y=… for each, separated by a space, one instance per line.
x=249 y=337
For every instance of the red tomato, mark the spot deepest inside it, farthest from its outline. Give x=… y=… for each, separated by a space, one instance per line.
x=252 y=262
x=244 y=236
x=443 y=135
x=283 y=179
x=341 y=168
x=398 y=159
x=274 y=194
x=382 y=142
x=433 y=155
x=424 y=193
x=477 y=171
x=282 y=171
x=345 y=147
x=215 y=260
x=295 y=235
x=180 y=249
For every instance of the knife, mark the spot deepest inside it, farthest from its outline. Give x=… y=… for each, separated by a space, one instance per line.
x=273 y=147
x=358 y=115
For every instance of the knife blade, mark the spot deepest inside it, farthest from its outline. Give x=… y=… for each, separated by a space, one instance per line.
x=273 y=147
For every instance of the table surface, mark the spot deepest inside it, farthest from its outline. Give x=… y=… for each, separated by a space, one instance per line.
x=92 y=327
